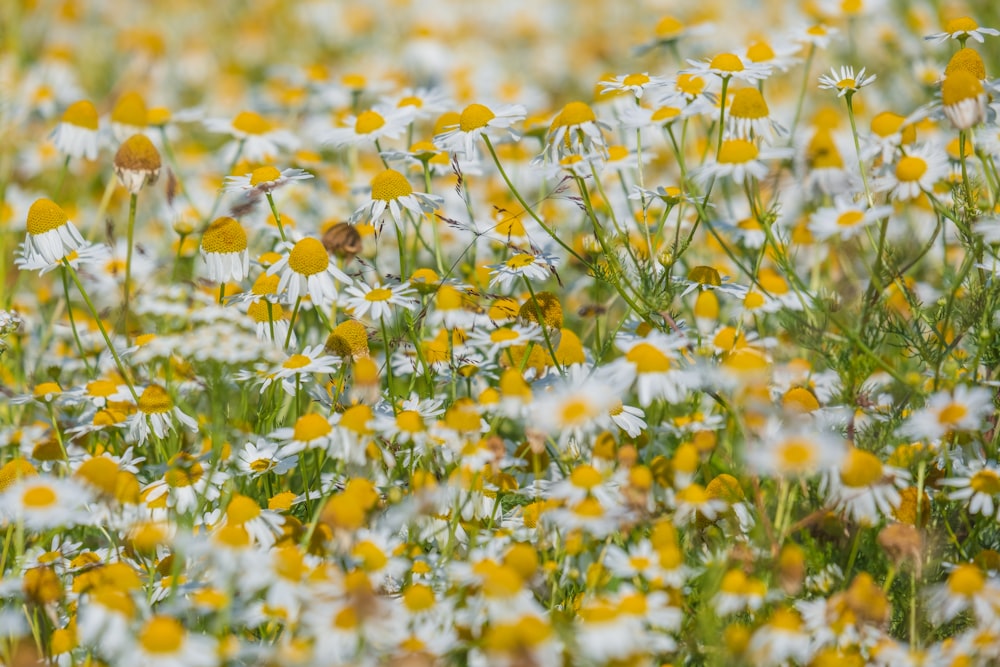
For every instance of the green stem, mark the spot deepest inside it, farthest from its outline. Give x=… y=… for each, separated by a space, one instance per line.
x=72 y=323
x=277 y=216
x=857 y=148
x=133 y=198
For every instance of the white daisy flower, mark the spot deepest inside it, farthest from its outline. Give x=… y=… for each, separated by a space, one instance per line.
x=914 y=173
x=265 y=179
x=962 y=28
x=963 y=409
x=369 y=126
x=533 y=267
x=51 y=234
x=307 y=270
x=391 y=192
x=845 y=219
x=730 y=66
x=77 y=134
x=478 y=120
x=846 y=81
x=224 y=249
x=261 y=141
x=377 y=300
x=156 y=412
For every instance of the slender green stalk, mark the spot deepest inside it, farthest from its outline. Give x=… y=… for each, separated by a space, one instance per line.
x=133 y=198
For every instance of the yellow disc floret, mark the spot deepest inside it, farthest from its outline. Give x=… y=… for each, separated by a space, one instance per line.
x=44 y=216
x=155 y=399
x=81 y=114
x=390 y=185
x=475 y=117
x=225 y=235
x=308 y=257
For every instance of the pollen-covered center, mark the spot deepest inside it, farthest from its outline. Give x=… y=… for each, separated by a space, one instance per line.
x=410 y=421
x=368 y=122
x=952 y=413
x=503 y=335
x=474 y=117
x=737 y=151
x=585 y=477
x=847 y=84
x=410 y=101
x=985 y=481
x=759 y=52
x=155 y=400
x=690 y=85
x=250 y=122
x=958 y=86
x=748 y=103
x=297 y=361
x=310 y=427
x=850 y=218
x=390 y=185
x=162 y=634
x=961 y=24
x=648 y=359
x=574 y=113
x=82 y=114
x=887 y=123
x=520 y=261
x=264 y=175
x=225 y=235
x=379 y=294
x=966 y=579
x=967 y=60
x=137 y=153
x=636 y=80
x=797 y=454
x=726 y=62
x=663 y=114
x=39 y=496
x=860 y=469
x=308 y=257
x=44 y=216
x=911 y=168
x=129 y=110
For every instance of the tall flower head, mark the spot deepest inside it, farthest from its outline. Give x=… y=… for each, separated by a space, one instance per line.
x=261 y=141
x=76 y=134
x=307 y=269
x=157 y=412
x=265 y=179
x=962 y=28
x=963 y=99
x=476 y=121
x=730 y=66
x=749 y=116
x=392 y=192
x=574 y=130
x=137 y=163
x=51 y=235
x=129 y=116
x=224 y=249
x=915 y=172
x=846 y=81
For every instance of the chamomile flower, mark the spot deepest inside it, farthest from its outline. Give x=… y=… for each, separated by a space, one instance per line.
x=575 y=131
x=51 y=234
x=261 y=457
x=42 y=502
x=864 y=488
x=793 y=452
x=265 y=179
x=963 y=99
x=962 y=28
x=652 y=365
x=156 y=412
x=476 y=121
x=77 y=133
x=739 y=160
x=307 y=270
x=966 y=588
x=368 y=127
x=163 y=642
x=257 y=138
x=914 y=173
x=224 y=249
x=377 y=300
x=310 y=431
x=88 y=255
x=963 y=409
x=845 y=219
x=977 y=484
x=392 y=193
x=846 y=81
x=534 y=267
x=137 y=163
x=749 y=117
x=730 y=66
x=302 y=366
x=492 y=341
x=638 y=83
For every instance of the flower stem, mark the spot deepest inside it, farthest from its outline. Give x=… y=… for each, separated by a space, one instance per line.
x=857 y=148
x=133 y=198
x=277 y=216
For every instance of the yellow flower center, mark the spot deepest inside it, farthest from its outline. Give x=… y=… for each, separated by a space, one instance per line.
x=264 y=175
x=726 y=62
x=38 y=497
x=887 y=123
x=258 y=311
x=797 y=455
x=589 y=508
x=785 y=619
x=668 y=27
x=224 y=236
x=967 y=60
x=748 y=103
x=368 y=121
x=636 y=80
x=959 y=86
x=690 y=85
x=648 y=359
x=847 y=83
x=242 y=509
x=617 y=152
x=418 y=597
x=503 y=335
x=860 y=469
x=737 y=151
x=760 y=52
x=356 y=419
x=311 y=427
x=129 y=110
x=474 y=117
x=250 y=122
x=520 y=261
x=961 y=24
x=410 y=101
x=966 y=579
x=379 y=294
x=82 y=114
x=705 y=275
x=47 y=388
x=850 y=218
x=308 y=257
x=985 y=481
x=574 y=113
x=694 y=494
x=154 y=400
x=162 y=635
x=390 y=185
x=664 y=114
x=410 y=421
x=911 y=168
x=137 y=153
x=952 y=414
x=44 y=216
x=297 y=361
x=585 y=477
x=371 y=556
x=823 y=152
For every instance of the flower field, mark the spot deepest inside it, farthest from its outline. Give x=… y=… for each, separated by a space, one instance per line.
x=516 y=333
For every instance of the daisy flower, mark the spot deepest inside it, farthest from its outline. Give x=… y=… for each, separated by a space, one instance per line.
x=779 y=55
x=533 y=267
x=51 y=235
x=749 y=116
x=378 y=300
x=265 y=179
x=916 y=172
x=368 y=127
x=844 y=219
x=846 y=82
x=740 y=159
x=307 y=270
x=575 y=130
x=864 y=488
x=651 y=364
x=694 y=501
x=963 y=99
x=163 y=642
x=730 y=66
x=302 y=366
x=963 y=409
x=478 y=120
x=962 y=28
x=89 y=254
x=310 y=431
x=261 y=457
x=637 y=84
x=781 y=640
x=77 y=134
x=418 y=103
x=978 y=484
x=967 y=588
x=42 y=502
x=224 y=249
x=156 y=411
x=391 y=192
x=793 y=452
x=261 y=141
x=491 y=341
